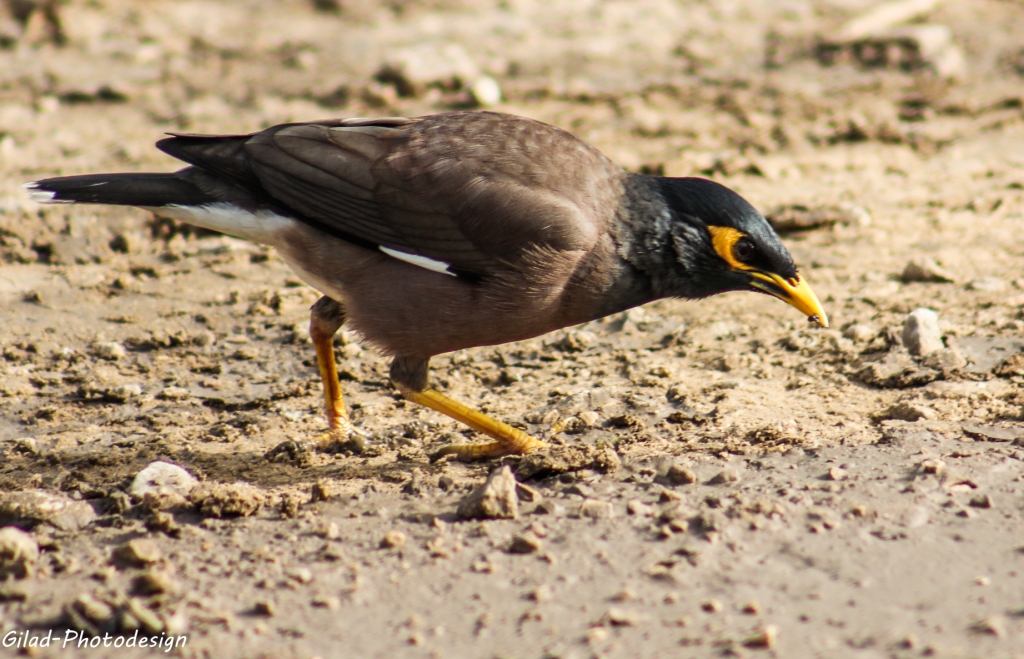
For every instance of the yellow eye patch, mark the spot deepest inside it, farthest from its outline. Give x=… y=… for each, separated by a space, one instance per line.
x=724 y=239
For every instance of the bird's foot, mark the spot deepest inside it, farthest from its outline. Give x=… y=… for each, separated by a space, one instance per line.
x=521 y=444
x=345 y=438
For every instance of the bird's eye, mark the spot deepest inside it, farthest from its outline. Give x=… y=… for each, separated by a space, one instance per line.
x=744 y=250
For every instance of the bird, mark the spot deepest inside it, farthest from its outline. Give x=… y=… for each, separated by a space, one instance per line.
x=453 y=230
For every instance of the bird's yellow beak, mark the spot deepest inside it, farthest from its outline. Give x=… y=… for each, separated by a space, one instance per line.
x=794 y=291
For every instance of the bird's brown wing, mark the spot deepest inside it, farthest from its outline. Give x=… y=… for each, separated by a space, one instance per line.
x=474 y=190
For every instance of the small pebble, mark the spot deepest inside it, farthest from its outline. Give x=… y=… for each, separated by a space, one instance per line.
x=265 y=608
x=624 y=595
x=174 y=393
x=527 y=493
x=679 y=475
x=19 y=552
x=301 y=575
x=836 y=473
x=639 y=508
x=93 y=609
x=921 y=332
x=990 y=626
x=727 y=475
x=154 y=582
x=110 y=350
x=495 y=499
x=751 y=608
x=597 y=635
x=541 y=593
x=328 y=530
x=927 y=270
x=138 y=553
x=618 y=617
x=859 y=333
x=595 y=509
x=525 y=543
x=711 y=606
x=763 y=639
x=392 y=540
x=329 y=602
x=982 y=501
x=679 y=525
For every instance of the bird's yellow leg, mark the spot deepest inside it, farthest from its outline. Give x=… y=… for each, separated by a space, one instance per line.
x=339 y=426
x=507 y=440
x=326 y=318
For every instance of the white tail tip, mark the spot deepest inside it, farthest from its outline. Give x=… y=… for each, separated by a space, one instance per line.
x=43 y=196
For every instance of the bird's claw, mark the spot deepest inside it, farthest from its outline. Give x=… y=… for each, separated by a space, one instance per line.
x=344 y=439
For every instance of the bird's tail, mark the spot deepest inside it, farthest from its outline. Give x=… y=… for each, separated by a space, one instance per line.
x=147 y=190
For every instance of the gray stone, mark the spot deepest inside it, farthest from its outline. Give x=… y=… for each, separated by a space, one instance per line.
x=495 y=499
x=29 y=508
x=926 y=269
x=921 y=332
x=987 y=353
x=988 y=433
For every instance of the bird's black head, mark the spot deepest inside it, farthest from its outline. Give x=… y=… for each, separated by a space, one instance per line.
x=724 y=244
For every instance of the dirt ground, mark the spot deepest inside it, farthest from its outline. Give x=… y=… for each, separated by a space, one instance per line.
x=766 y=488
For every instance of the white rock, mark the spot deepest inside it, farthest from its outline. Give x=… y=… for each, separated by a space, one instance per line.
x=921 y=332
x=485 y=91
x=161 y=479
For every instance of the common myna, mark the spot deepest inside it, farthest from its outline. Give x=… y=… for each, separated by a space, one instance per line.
x=456 y=230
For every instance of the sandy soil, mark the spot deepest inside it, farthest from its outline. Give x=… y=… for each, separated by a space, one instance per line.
x=779 y=490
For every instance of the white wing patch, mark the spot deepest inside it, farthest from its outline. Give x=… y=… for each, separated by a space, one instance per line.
x=421 y=261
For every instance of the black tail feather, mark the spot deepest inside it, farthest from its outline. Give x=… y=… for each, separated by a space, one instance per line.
x=152 y=190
